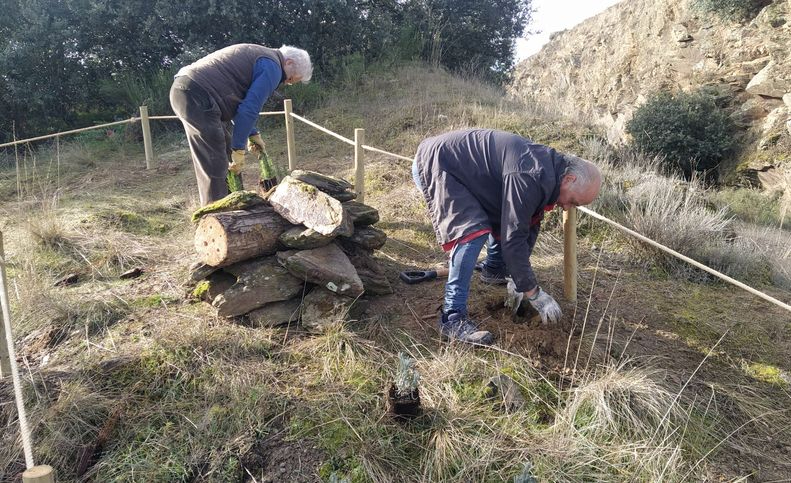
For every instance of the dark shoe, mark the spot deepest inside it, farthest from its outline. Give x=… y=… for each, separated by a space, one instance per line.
x=493 y=277
x=455 y=326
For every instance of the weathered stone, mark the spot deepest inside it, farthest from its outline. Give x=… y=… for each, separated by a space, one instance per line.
x=770 y=82
x=750 y=111
x=787 y=100
x=505 y=390
x=277 y=313
x=361 y=214
x=302 y=203
x=336 y=187
x=368 y=237
x=322 y=308
x=258 y=282
x=200 y=271
x=368 y=269
x=301 y=238
x=215 y=284
x=680 y=33
x=326 y=266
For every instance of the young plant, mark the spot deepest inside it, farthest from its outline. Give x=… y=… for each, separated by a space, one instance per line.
x=407 y=377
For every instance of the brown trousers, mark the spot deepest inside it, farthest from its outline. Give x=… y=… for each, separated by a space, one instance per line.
x=208 y=136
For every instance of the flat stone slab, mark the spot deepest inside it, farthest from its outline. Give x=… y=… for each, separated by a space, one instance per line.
x=302 y=203
x=277 y=313
x=258 y=282
x=326 y=266
x=369 y=270
x=322 y=308
x=336 y=187
x=361 y=214
x=368 y=237
x=302 y=238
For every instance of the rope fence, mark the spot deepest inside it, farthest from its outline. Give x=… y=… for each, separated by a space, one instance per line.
x=7 y=359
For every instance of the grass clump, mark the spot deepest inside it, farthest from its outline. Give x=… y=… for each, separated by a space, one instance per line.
x=752 y=206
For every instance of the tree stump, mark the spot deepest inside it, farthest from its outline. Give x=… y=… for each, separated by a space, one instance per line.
x=301 y=203
x=258 y=282
x=222 y=239
x=327 y=267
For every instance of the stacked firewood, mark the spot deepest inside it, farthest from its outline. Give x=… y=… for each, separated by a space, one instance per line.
x=305 y=252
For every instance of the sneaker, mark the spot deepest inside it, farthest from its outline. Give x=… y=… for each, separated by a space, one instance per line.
x=455 y=326
x=492 y=277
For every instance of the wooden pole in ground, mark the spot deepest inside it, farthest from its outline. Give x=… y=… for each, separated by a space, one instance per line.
x=292 y=149
x=5 y=359
x=151 y=163
x=570 y=254
x=39 y=474
x=359 y=164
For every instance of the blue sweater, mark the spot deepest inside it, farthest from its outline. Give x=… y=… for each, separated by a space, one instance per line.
x=266 y=77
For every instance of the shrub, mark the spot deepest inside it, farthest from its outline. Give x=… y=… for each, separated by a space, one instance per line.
x=688 y=129
x=738 y=10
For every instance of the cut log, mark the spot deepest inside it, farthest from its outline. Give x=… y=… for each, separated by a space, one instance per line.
x=277 y=313
x=327 y=267
x=301 y=238
x=258 y=282
x=301 y=203
x=200 y=271
x=322 y=308
x=222 y=239
x=368 y=269
x=238 y=200
x=368 y=237
x=361 y=214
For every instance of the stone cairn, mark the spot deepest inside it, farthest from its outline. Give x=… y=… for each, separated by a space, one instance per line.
x=303 y=252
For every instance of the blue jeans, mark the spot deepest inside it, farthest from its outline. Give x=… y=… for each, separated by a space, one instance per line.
x=461 y=264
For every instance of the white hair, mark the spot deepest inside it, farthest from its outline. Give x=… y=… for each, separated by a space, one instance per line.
x=302 y=66
x=585 y=171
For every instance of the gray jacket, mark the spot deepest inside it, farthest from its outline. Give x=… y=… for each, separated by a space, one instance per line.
x=477 y=179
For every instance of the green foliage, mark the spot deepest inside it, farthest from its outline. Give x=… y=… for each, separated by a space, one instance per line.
x=751 y=205
x=688 y=129
x=737 y=10
x=407 y=377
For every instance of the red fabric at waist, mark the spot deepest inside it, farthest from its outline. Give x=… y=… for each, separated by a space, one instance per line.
x=472 y=236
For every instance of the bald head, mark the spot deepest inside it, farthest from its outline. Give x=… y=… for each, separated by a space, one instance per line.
x=579 y=184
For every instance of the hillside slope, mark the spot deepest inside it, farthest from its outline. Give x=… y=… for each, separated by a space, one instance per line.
x=648 y=377
x=606 y=66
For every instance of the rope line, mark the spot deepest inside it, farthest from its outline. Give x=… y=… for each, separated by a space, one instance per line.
x=24 y=429
x=73 y=131
x=382 y=151
x=322 y=128
x=695 y=263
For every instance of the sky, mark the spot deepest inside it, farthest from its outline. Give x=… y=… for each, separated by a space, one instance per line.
x=555 y=15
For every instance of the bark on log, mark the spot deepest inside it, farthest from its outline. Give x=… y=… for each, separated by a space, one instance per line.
x=222 y=239
x=327 y=267
x=301 y=203
x=361 y=214
x=302 y=238
x=258 y=283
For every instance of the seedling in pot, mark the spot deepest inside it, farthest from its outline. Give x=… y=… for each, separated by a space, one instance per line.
x=403 y=395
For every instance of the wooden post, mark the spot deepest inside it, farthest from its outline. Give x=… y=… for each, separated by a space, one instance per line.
x=359 y=164
x=5 y=359
x=39 y=474
x=570 y=254
x=292 y=149
x=151 y=163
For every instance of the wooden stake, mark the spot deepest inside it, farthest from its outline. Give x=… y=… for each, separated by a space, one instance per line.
x=292 y=149
x=359 y=164
x=570 y=254
x=39 y=474
x=151 y=163
x=5 y=360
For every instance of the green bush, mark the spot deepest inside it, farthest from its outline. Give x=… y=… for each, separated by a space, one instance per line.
x=738 y=10
x=688 y=129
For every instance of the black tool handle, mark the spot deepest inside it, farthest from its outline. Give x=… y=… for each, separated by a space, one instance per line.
x=416 y=276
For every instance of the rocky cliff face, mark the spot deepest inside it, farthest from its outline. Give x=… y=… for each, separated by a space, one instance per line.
x=608 y=65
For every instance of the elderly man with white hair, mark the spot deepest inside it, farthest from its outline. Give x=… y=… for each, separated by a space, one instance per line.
x=230 y=85
x=483 y=185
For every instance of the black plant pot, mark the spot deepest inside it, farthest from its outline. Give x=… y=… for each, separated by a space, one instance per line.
x=403 y=408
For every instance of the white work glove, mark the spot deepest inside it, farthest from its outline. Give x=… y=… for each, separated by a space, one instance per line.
x=256 y=144
x=237 y=161
x=545 y=305
x=514 y=298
